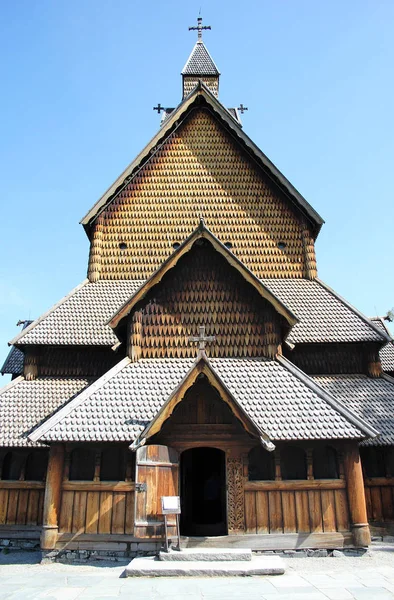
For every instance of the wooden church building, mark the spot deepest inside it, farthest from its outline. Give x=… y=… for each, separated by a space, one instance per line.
x=202 y=357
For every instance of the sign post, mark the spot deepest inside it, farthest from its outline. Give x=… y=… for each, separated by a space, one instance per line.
x=171 y=505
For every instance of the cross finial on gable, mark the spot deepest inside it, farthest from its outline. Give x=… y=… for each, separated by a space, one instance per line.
x=199 y=28
x=202 y=339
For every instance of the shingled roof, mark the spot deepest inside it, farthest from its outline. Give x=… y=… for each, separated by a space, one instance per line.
x=323 y=315
x=371 y=399
x=276 y=398
x=24 y=404
x=81 y=316
x=13 y=364
x=386 y=353
x=200 y=62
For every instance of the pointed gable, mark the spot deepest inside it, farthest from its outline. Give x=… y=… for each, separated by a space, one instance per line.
x=202 y=284
x=200 y=168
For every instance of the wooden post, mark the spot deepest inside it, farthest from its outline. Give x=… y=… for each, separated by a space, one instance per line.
x=356 y=496
x=52 y=499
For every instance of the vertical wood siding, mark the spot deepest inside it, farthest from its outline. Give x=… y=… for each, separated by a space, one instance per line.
x=379 y=497
x=97 y=508
x=296 y=507
x=20 y=504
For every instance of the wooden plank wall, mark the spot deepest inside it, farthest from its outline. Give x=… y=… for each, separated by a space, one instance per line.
x=90 y=507
x=379 y=496
x=21 y=503
x=318 y=506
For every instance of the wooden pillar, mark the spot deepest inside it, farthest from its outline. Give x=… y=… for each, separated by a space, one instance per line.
x=356 y=496
x=52 y=499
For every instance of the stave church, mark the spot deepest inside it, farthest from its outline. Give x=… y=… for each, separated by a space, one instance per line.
x=202 y=357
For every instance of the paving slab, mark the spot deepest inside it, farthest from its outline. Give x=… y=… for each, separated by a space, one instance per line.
x=152 y=567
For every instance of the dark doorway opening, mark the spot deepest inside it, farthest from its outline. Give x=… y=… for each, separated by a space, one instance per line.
x=203 y=492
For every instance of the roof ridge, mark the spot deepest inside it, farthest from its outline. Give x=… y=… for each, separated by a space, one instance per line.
x=47 y=313
x=331 y=400
x=353 y=308
x=58 y=415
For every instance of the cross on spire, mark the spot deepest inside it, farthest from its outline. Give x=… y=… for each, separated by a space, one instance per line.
x=199 y=28
x=202 y=339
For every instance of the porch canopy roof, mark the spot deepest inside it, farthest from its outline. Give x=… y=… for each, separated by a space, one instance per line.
x=277 y=399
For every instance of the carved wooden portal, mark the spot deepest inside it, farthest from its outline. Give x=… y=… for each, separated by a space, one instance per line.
x=235 y=496
x=157 y=474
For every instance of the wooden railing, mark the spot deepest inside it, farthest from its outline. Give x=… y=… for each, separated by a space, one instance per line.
x=97 y=507
x=21 y=502
x=379 y=496
x=315 y=506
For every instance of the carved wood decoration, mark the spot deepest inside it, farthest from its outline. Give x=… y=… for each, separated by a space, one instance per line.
x=202 y=289
x=235 y=496
x=200 y=171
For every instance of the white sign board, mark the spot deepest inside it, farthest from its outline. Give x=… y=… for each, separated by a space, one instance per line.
x=171 y=505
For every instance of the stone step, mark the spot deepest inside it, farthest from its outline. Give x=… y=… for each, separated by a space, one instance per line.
x=207 y=554
x=153 y=567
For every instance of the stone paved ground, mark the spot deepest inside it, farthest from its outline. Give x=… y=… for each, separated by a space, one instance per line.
x=361 y=578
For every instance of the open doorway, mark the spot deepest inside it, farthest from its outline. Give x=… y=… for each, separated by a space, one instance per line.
x=203 y=492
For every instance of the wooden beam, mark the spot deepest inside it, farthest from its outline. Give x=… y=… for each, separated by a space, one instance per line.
x=295 y=484
x=52 y=499
x=356 y=495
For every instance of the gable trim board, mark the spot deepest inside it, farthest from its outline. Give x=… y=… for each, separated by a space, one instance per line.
x=171 y=124
x=147 y=384
x=202 y=232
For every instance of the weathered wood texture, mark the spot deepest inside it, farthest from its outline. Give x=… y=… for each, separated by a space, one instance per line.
x=21 y=502
x=157 y=468
x=53 y=361
x=52 y=497
x=296 y=507
x=379 y=496
x=318 y=359
x=204 y=290
x=356 y=496
x=200 y=171
x=100 y=509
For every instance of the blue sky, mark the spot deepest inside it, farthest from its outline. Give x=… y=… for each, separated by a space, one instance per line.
x=79 y=80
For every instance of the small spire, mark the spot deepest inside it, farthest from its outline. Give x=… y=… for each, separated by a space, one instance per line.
x=200 y=27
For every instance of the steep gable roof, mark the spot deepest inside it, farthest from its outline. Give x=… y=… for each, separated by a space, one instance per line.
x=200 y=62
x=202 y=232
x=202 y=95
